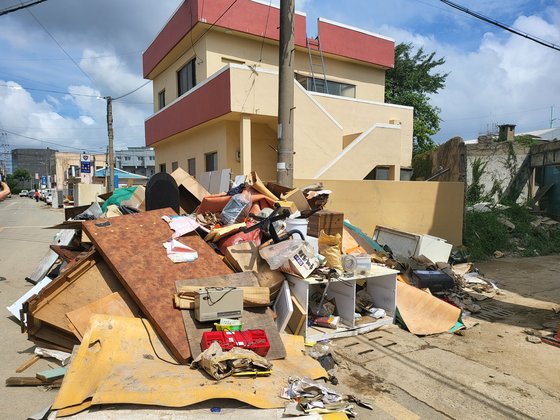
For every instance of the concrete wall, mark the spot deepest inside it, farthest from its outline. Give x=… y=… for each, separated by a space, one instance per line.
x=379 y=145
x=502 y=160
x=194 y=144
x=357 y=116
x=434 y=208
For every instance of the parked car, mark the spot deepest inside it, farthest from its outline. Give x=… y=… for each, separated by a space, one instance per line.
x=48 y=198
x=23 y=193
x=31 y=194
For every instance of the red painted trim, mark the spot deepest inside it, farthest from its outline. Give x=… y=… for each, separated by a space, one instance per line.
x=178 y=26
x=249 y=17
x=204 y=104
x=356 y=45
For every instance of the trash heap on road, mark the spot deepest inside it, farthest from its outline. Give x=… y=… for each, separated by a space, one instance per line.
x=168 y=288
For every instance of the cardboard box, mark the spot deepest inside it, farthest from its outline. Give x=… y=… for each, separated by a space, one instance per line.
x=330 y=221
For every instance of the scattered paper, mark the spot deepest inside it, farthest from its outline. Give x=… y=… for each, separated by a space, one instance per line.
x=181 y=225
x=178 y=252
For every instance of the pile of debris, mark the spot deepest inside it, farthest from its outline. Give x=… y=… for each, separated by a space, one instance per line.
x=169 y=287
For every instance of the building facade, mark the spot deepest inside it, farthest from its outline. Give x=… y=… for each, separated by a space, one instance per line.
x=40 y=163
x=215 y=81
x=136 y=160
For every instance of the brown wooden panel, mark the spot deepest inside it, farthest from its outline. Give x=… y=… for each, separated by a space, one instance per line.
x=86 y=281
x=132 y=246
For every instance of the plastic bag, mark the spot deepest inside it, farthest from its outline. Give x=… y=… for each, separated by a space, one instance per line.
x=278 y=254
x=330 y=247
x=292 y=257
x=237 y=208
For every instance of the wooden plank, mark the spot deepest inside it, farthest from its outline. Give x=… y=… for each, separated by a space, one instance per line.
x=117 y=303
x=30 y=381
x=50 y=257
x=298 y=318
x=252 y=296
x=88 y=280
x=51 y=374
x=28 y=363
x=253 y=318
x=132 y=246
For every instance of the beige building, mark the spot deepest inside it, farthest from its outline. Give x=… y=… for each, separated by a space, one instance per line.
x=215 y=82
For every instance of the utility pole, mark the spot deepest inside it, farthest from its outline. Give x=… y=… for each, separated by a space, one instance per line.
x=110 y=151
x=552 y=119
x=285 y=166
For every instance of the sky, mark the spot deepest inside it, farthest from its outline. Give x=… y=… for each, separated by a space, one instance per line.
x=58 y=60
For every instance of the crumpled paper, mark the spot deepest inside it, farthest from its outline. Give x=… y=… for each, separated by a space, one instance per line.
x=220 y=364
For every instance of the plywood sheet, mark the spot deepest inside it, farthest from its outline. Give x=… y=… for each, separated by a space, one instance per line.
x=118 y=364
x=86 y=281
x=424 y=314
x=117 y=303
x=132 y=246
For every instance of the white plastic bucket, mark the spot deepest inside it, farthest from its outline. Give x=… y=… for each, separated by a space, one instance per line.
x=297 y=224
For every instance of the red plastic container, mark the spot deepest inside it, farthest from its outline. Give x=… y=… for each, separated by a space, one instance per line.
x=255 y=340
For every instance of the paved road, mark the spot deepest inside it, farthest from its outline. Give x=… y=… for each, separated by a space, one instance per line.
x=23 y=243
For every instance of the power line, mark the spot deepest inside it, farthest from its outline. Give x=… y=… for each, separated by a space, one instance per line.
x=19 y=7
x=60 y=46
x=49 y=91
x=98 y=57
x=213 y=24
x=48 y=142
x=132 y=91
x=502 y=25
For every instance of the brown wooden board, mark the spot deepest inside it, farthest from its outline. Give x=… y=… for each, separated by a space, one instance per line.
x=298 y=318
x=118 y=303
x=252 y=319
x=133 y=246
x=88 y=280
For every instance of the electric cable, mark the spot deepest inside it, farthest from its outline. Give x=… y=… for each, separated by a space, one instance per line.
x=49 y=142
x=19 y=7
x=60 y=46
x=502 y=25
x=154 y=348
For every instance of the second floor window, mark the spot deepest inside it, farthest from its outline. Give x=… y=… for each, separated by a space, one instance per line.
x=186 y=78
x=161 y=99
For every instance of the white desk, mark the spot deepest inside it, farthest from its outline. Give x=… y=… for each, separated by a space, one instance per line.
x=380 y=283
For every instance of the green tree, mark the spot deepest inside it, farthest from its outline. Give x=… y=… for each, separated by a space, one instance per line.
x=410 y=82
x=15 y=179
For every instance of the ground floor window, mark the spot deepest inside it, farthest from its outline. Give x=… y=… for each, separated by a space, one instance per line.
x=174 y=166
x=211 y=161
x=162 y=167
x=191 y=166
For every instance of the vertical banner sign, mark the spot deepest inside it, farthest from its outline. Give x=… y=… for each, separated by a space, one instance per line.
x=85 y=169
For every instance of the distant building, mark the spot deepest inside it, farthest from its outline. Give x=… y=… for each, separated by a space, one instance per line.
x=137 y=160
x=38 y=162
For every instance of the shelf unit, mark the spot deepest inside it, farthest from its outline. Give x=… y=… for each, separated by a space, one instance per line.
x=380 y=283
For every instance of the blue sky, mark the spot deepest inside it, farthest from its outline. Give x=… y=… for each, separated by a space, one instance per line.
x=494 y=76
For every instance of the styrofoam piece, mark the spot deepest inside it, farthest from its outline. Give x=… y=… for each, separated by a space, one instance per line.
x=283 y=307
x=16 y=307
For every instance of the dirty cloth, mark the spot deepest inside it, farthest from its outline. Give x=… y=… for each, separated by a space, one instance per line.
x=119 y=195
x=220 y=364
x=119 y=363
